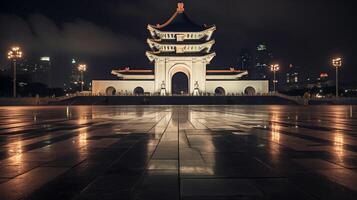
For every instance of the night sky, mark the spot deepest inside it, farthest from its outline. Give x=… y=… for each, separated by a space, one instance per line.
x=108 y=34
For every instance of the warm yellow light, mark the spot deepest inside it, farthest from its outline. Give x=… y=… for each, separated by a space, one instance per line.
x=82 y=67
x=338 y=145
x=275 y=134
x=14 y=53
x=82 y=138
x=274 y=67
x=337 y=62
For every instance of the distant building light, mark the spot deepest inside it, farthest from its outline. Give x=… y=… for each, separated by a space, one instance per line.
x=319 y=96
x=22 y=84
x=73 y=61
x=323 y=75
x=46 y=58
x=261 y=47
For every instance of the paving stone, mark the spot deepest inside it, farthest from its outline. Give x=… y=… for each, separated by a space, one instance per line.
x=178 y=152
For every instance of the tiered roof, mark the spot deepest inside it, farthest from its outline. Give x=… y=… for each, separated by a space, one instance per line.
x=180 y=22
x=180 y=36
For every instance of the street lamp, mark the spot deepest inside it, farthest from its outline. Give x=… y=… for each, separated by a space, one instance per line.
x=274 y=68
x=14 y=54
x=337 y=63
x=82 y=68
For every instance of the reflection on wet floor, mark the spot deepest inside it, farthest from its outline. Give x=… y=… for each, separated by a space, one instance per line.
x=178 y=152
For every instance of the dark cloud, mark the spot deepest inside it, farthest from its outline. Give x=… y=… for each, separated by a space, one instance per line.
x=38 y=33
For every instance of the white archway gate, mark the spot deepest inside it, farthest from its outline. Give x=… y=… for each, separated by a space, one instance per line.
x=175 y=69
x=179 y=84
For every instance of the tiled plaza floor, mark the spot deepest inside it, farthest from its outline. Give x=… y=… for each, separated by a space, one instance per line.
x=178 y=152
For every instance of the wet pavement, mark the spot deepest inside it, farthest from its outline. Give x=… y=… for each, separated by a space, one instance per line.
x=178 y=152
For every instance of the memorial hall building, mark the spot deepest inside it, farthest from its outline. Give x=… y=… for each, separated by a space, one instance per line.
x=180 y=51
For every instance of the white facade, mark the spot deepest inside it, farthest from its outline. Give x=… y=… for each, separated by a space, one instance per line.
x=122 y=87
x=238 y=87
x=179 y=46
x=127 y=87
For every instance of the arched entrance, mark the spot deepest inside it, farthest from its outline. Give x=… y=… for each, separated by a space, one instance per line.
x=110 y=91
x=179 y=84
x=249 y=91
x=219 y=91
x=138 y=91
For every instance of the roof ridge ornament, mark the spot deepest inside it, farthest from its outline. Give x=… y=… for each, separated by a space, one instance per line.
x=180 y=7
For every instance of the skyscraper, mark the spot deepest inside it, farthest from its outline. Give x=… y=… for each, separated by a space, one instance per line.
x=74 y=72
x=38 y=71
x=73 y=84
x=245 y=59
x=263 y=59
x=292 y=77
x=44 y=71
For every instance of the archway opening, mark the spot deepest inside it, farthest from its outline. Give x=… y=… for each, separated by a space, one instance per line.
x=179 y=84
x=138 y=91
x=249 y=91
x=219 y=91
x=110 y=91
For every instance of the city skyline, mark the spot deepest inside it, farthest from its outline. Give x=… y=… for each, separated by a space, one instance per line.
x=118 y=33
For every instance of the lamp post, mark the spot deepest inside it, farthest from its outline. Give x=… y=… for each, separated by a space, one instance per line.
x=337 y=63
x=14 y=54
x=274 y=68
x=82 y=68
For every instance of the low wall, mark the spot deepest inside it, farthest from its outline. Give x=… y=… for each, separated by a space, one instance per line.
x=30 y=101
x=19 y=101
x=176 y=100
x=171 y=100
x=334 y=101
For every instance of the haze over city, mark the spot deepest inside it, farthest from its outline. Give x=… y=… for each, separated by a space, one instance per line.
x=112 y=34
